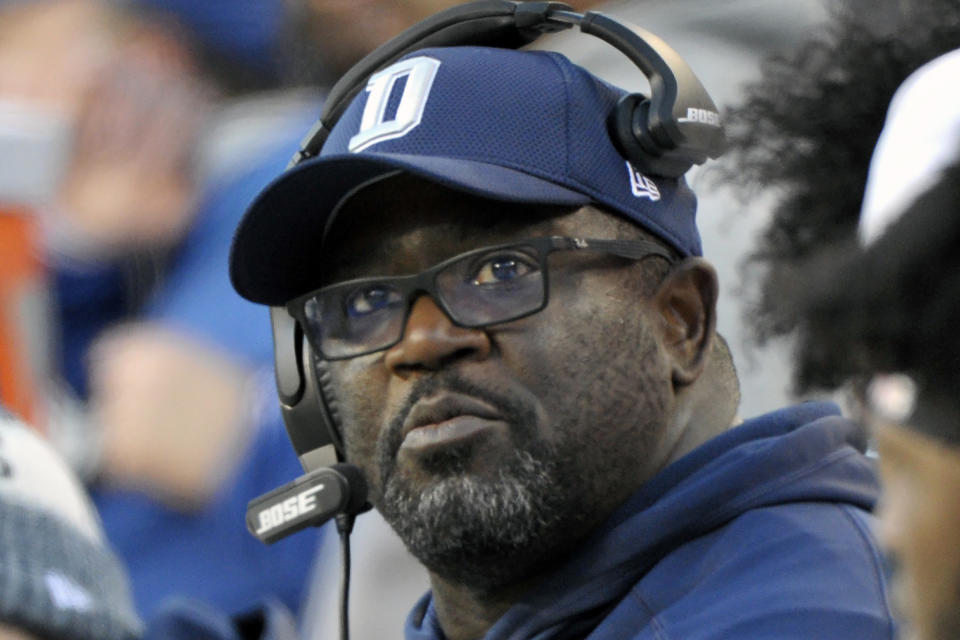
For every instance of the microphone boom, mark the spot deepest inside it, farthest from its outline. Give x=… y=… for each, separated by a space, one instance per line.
x=310 y=500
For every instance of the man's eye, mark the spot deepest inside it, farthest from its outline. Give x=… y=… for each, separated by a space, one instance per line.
x=370 y=300
x=502 y=269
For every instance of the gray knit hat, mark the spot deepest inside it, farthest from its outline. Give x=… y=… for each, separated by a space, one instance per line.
x=58 y=579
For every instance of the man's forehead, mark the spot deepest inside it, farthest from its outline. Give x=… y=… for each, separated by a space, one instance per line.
x=404 y=203
x=404 y=216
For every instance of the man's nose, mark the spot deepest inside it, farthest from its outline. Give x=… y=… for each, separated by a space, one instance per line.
x=431 y=341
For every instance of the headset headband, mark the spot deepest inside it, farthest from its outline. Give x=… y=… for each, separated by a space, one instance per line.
x=663 y=135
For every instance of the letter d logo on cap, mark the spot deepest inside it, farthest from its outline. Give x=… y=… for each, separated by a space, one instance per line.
x=419 y=73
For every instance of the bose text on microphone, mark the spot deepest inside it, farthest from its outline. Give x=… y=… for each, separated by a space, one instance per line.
x=310 y=500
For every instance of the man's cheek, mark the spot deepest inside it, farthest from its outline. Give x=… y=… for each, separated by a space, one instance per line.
x=353 y=415
x=360 y=436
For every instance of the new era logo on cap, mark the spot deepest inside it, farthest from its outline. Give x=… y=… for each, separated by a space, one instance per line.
x=641 y=186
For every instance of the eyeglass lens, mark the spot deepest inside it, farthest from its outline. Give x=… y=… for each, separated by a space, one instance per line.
x=479 y=288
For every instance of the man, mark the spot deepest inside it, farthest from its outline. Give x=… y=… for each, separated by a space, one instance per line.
x=742 y=33
x=543 y=413
x=894 y=318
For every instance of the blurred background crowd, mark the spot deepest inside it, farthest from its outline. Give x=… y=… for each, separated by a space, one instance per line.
x=133 y=133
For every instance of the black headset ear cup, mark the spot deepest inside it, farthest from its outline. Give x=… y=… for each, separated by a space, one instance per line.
x=310 y=426
x=632 y=135
x=629 y=129
x=329 y=399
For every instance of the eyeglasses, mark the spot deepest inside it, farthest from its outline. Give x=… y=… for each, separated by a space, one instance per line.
x=478 y=288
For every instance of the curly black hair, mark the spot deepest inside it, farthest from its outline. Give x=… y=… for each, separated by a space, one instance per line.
x=893 y=307
x=807 y=130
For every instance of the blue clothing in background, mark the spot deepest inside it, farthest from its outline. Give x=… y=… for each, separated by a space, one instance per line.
x=88 y=298
x=197 y=297
x=182 y=619
x=209 y=555
x=762 y=532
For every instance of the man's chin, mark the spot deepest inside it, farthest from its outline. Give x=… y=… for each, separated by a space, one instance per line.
x=458 y=522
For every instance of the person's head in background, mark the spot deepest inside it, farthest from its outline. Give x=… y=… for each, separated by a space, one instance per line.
x=104 y=105
x=125 y=96
x=58 y=579
x=117 y=102
x=337 y=33
x=887 y=319
x=881 y=315
x=807 y=129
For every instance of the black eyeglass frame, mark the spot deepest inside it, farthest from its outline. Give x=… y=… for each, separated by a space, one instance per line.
x=412 y=286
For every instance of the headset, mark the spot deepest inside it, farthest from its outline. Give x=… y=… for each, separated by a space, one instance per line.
x=663 y=134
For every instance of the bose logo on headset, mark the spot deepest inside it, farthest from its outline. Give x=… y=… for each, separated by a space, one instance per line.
x=419 y=73
x=703 y=116
x=283 y=512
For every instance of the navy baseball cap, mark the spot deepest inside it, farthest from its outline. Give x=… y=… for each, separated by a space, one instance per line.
x=518 y=126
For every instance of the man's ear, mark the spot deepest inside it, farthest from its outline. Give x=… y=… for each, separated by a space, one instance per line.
x=686 y=302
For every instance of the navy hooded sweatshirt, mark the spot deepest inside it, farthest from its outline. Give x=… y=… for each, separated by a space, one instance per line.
x=759 y=533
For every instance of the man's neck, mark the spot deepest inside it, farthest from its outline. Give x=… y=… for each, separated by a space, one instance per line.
x=466 y=614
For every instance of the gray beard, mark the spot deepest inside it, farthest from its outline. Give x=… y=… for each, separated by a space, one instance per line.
x=465 y=528
x=486 y=532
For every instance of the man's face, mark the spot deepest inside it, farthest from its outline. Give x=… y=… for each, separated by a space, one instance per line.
x=508 y=442
x=920 y=527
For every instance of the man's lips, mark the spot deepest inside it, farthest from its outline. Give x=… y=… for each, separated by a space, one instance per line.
x=445 y=419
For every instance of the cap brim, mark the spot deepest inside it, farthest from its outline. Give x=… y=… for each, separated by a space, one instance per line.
x=278 y=244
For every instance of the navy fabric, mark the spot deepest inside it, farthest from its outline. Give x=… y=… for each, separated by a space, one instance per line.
x=88 y=299
x=184 y=619
x=762 y=532
x=520 y=126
